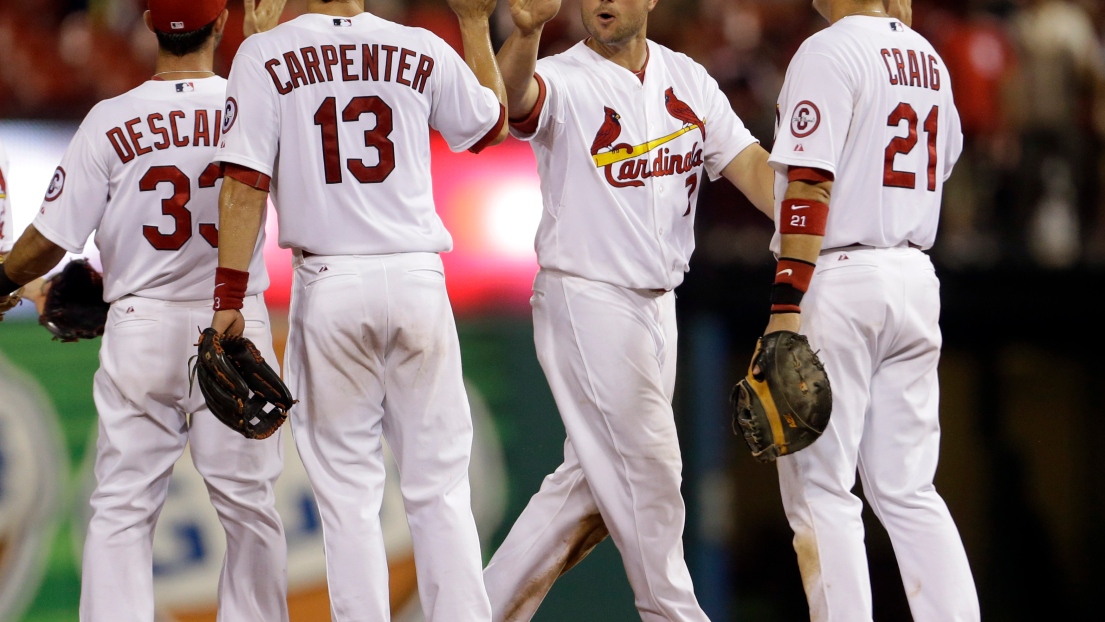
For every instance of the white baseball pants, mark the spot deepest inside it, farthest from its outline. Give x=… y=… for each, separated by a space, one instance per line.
x=873 y=316
x=373 y=350
x=609 y=355
x=143 y=398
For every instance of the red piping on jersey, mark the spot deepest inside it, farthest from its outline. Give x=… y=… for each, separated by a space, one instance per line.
x=528 y=125
x=492 y=134
x=808 y=174
x=247 y=176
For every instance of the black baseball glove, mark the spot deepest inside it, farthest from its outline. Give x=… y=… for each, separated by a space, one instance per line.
x=239 y=386
x=786 y=405
x=74 y=306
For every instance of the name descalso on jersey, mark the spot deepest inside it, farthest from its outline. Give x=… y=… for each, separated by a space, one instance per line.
x=621 y=162
x=139 y=173
x=868 y=100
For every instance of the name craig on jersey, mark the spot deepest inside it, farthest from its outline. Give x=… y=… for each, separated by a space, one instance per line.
x=203 y=130
x=922 y=70
x=328 y=63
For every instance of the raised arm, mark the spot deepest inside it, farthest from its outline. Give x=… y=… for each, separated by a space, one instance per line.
x=518 y=57
x=475 y=33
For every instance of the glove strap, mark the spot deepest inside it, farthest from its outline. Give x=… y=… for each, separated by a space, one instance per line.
x=230 y=288
x=792 y=280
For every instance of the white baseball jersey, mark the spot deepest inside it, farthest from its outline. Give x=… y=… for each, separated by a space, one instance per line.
x=7 y=234
x=338 y=112
x=620 y=160
x=869 y=100
x=139 y=172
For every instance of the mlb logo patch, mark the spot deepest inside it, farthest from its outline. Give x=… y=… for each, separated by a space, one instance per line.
x=176 y=25
x=897 y=27
x=185 y=87
x=343 y=22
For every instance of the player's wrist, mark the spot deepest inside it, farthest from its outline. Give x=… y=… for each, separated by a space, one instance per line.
x=792 y=281
x=230 y=288
x=8 y=286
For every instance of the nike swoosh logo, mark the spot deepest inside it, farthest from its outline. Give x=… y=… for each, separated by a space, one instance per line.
x=787 y=272
x=799 y=206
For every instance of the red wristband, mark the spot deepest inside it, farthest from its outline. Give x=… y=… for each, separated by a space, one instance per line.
x=803 y=217
x=230 y=288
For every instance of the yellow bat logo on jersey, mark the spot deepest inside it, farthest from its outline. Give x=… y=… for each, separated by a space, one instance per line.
x=622 y=153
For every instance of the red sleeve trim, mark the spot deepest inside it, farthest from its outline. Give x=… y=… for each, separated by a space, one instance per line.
x=808 y=174
x=528 y=125
x=491 y=134
x=247 y=176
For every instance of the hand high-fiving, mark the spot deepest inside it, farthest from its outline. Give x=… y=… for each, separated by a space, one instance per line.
x=262 y=18
x=529 y=15
x=473 y=9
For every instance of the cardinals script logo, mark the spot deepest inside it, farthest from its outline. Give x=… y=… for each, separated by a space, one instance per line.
x=634 y=163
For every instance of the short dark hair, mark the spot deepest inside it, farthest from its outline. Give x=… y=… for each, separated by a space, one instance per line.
x=184 y=43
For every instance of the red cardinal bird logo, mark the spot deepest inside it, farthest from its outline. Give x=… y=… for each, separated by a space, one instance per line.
x=609 y=131
x=682 y=111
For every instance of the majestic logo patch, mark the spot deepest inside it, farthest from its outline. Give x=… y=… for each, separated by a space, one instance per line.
x=230 y=114
x=57 y=185
x=185 y=87
x=805 y=119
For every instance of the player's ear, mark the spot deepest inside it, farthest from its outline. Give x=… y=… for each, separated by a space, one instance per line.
x=149 y=21
x=652 y=4
x=220 y=23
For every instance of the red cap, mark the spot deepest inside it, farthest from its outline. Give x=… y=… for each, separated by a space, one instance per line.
x=171 y=16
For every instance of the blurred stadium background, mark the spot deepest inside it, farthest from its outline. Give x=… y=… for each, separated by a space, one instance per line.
x=1023 y=229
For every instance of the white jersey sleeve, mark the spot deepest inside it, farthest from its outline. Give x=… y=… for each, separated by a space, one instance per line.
x=819 y=98
x=77 y=196
x=252 y=139
x=549 y=112
x=954 y=146
x=462 y=109
x=7 y=233
x=726 y=136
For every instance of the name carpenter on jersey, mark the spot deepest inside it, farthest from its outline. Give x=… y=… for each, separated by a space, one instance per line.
x=172 y=130
x=922 y=71
x=328 y=63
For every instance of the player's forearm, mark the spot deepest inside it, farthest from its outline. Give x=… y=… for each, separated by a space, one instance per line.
x=752 y=175
x=241 y=208
x=32 y=256
x=517 y=61
x=478 y=53
x=806 y=247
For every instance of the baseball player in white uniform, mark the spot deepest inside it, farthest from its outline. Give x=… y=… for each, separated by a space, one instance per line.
x=623 y=130
x=6 y=233
x=139 y=173
x=867 y=135
x=334 y=109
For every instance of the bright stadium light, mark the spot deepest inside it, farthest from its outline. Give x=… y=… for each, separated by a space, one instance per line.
x=512 y=216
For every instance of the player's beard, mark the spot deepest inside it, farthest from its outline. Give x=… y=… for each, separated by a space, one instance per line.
x=626 y=26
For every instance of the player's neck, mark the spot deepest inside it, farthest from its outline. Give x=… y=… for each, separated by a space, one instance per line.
x=630 y=54
x=337 y=8
x=199 y=64
x=845 y=8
